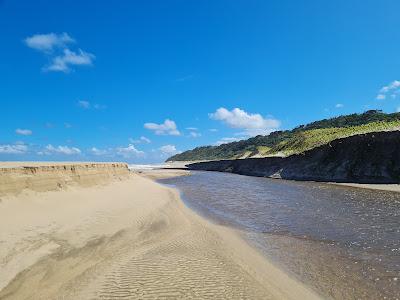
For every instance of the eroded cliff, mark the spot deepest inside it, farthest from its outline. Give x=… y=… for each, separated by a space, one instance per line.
x=14 y=178
x=364 y=158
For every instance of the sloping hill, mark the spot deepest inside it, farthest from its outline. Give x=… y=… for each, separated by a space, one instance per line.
x=297 y=140
x=364 y=158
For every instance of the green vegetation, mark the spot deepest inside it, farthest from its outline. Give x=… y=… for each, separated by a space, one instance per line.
x=298 y=140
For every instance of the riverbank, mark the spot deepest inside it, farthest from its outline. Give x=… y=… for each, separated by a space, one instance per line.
x=379 y=187
x=126 y=236
x=370 y=158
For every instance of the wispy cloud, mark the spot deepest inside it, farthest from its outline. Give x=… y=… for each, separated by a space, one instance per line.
x=56 y=47
x=141 y=140
x=98 y=152
x=194 y=134
x=252 y=124
x=169 y=150
x=64 y=62
x=84 y=104
x=226 y=140
x=13 y=149
x=381 y=97
x=23 y=131
x=99 y=106
x=65 y=150
x=129 y=152
x=392 y=90
x=184 y=78
x=167 y=128
x=339 y=105
x=87 y=105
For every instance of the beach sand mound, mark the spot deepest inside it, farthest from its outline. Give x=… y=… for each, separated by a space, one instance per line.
x=128 y=239
x=43 y=177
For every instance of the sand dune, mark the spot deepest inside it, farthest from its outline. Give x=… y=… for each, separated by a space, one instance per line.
x=128 y=239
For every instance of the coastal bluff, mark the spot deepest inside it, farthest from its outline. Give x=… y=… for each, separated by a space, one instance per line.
x=16 y=177
x=364 y=158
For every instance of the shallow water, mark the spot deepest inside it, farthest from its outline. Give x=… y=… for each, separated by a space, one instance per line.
x=342 y=241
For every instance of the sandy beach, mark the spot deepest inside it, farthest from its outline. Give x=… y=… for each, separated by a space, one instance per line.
x=122 y=236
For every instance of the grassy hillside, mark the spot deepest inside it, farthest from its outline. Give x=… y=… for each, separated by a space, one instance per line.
x=298 y=140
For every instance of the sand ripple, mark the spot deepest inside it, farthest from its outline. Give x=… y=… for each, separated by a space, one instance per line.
x=129 y=240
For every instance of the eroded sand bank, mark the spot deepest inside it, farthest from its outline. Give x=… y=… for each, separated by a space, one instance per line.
x=126 y=238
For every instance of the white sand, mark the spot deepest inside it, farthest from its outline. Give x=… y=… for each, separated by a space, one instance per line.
x=162 y=173
x=130 y=238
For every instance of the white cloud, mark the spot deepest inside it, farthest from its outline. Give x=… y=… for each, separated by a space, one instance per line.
x=141 y=140
x=194 y=134
x=50 y=149
x=56 y=47
x=63 y=63
x=13 y=149
x=23 y=131
x=145 y=140
x=87 y=105
x=253 y=124
x=339 y=105
x=213 y=130
x=169 y=149
x=129 y=152
x=167 y=128
x=126 y=152
x=47 y=42
x=226 y=140
x=391 y=89
x=393 y=85
x=98 y=152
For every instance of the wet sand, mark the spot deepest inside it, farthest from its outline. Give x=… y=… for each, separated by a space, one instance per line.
x=342 y=241
x=370 y=186
x=127 y=238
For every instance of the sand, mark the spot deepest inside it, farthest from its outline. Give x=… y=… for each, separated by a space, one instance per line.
x=371 y=186
x=129 y=238
x=43 y=177
x=161 y=173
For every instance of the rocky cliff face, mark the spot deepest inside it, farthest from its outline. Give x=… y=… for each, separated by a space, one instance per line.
x=55 y=176
x=365 y=158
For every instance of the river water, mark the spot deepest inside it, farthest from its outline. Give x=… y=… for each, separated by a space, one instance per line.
x=343 y=242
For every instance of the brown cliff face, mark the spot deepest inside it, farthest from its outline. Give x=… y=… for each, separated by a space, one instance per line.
x=365 y=158
x=54 y=176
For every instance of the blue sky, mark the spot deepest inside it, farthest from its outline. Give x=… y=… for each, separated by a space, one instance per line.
x=137 y=81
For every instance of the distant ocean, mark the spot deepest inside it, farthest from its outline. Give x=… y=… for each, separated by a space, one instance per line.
x=148 y=167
